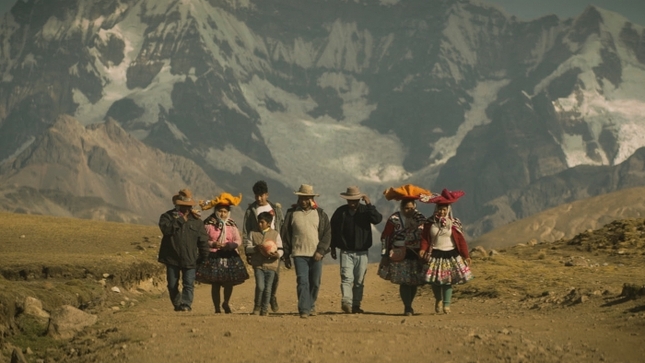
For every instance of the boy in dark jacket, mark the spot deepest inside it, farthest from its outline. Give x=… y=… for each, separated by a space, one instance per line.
x=351 y=232
x=184 y=242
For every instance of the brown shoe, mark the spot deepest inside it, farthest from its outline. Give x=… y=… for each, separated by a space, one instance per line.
x=446 y=310
x=346 y=308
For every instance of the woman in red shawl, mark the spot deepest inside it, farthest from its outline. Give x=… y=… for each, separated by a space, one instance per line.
x=444 y=249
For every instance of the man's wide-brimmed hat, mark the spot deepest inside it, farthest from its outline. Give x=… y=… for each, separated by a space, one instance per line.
x=306 y=190
x=352 y=193
x=184 y=197
x=446 y=197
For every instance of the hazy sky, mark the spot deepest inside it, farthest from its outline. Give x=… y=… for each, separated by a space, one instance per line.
x=634 y=10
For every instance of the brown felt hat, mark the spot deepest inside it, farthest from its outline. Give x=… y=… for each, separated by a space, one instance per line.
x=184 y=197
x=352 y=193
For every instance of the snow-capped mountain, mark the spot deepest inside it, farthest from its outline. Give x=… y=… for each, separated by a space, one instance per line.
x=443 y=93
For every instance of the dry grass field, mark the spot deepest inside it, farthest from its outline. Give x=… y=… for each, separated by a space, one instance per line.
x=576 y=300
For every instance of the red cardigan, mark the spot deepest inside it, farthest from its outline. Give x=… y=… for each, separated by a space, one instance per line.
x=457 y=238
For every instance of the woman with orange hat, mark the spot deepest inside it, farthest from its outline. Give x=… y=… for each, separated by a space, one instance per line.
x=223 y=268
x=401 y=240
x=444 y=249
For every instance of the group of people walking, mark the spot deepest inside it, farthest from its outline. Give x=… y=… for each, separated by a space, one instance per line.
x=415 y=250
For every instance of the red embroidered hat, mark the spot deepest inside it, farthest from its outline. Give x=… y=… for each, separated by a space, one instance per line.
x=446 y=197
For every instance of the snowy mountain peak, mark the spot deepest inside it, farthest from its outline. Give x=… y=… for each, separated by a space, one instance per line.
x=452 y=94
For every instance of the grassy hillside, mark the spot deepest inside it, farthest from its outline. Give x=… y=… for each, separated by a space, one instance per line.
x=69 y=261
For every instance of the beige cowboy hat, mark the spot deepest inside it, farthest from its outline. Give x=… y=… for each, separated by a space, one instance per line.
x=184 y=197
x=352 y=193
x=306 y=190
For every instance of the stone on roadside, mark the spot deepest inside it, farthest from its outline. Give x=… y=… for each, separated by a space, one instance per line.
x=34 y=307
x=478 y=252
x=577 y=261
x=17 y=356
x=67 y=320
x=115 y=289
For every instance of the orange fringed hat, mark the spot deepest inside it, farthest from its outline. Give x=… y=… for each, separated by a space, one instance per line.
x=223 y=199
x=407 y=191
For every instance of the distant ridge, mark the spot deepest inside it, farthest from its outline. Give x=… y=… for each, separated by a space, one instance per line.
x=568 y=220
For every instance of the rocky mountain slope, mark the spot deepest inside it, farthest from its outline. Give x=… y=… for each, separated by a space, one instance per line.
x=450 y=93
x=96 y=172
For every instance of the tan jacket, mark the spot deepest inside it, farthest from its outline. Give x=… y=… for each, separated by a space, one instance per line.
x=258 y=259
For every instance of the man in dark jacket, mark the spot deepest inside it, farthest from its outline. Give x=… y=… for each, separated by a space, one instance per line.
x=262 y=204
x=306 y=236
x=184 y=242
x=351 y=232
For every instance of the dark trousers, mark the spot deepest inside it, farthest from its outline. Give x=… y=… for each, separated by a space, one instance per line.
x=187 y=275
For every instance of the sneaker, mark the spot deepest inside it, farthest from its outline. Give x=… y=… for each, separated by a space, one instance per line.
x=178 y=308
x=357 y=310
x=186 y=308
x=408 y=312
x=346 y=308
x=446 y=310
x=264 y=313
x=274 y=304
x=437 y=306
x=256 y=310
x=304 y=316
x=313 y=312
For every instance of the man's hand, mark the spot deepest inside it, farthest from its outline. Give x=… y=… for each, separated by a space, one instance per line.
x=366 y=199
x=318 y=256
x=287 y=262
x=333 y=253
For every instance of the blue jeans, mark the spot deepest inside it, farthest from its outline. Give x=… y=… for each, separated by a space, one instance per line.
x=353 y=267
x=263 y=287
x=187 y=281
x=308 y=275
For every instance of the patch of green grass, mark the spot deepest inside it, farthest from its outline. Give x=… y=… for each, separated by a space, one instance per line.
x=60 y=262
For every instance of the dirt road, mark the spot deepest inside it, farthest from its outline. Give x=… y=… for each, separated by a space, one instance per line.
x=478 y=330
